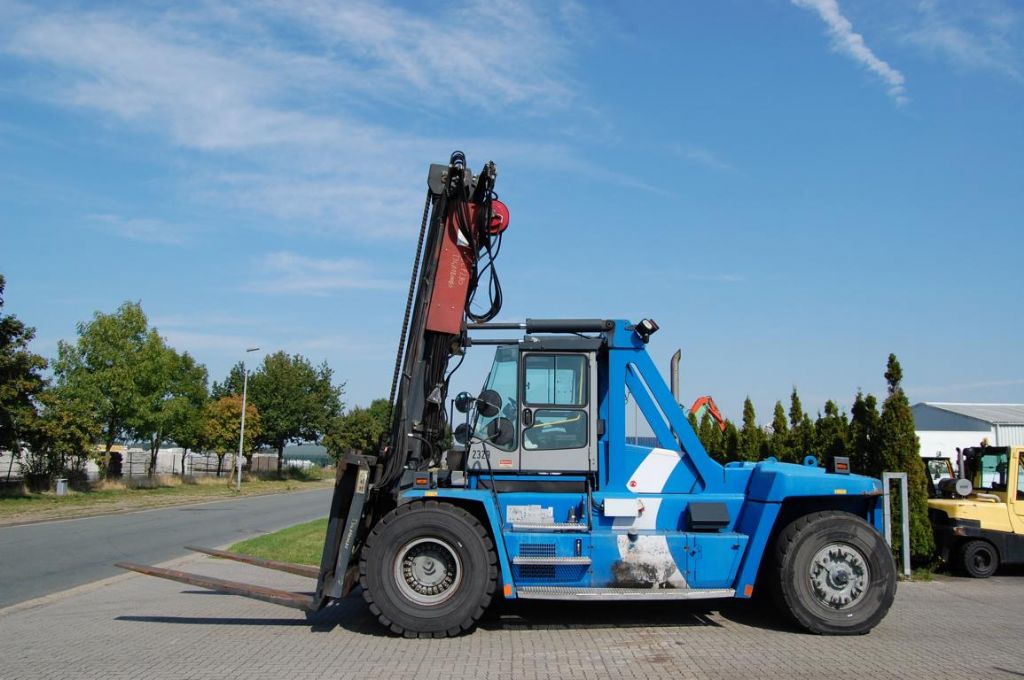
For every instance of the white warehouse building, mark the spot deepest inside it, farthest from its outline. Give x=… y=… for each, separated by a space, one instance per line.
x=943 y=427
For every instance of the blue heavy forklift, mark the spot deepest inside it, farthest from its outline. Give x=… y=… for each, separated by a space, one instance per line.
x=538 y=494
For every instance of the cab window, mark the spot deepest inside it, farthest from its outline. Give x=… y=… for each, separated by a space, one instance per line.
x=990 y=470
x=555 y=396
x=556 y=379
x=503 y=379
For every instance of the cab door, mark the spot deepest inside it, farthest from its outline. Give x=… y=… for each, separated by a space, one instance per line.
x=558 y=431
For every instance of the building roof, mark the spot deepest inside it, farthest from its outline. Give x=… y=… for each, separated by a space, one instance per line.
x=996 y=414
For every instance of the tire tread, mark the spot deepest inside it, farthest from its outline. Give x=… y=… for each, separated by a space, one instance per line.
x=492 y=569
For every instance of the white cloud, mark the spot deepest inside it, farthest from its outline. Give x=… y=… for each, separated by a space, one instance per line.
x=288 y=273
x=486 y=54
x=851 y=43
x=715 y=278
x=964 y=387
x=970 y=36
x=206 y=342
x=701 y=156
x=298 y=128
x=141 y=229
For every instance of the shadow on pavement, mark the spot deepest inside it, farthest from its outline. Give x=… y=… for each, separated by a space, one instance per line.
x=213 y=620
x=556 y=615
x=354 y=616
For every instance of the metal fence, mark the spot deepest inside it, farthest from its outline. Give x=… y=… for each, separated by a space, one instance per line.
x=136 y=464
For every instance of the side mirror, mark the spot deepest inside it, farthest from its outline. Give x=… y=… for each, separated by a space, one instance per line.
x=488 y=403
x=500 y=431
x=463 y=402
x=461 y=434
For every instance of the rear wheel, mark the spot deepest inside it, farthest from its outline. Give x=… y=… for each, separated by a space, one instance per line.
x=833 y=573
x=979 y=559
x=428 y=569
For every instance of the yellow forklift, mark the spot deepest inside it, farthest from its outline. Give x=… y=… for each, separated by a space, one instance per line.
x=978 y=518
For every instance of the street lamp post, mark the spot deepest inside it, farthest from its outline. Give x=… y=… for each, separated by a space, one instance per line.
x=241 y=435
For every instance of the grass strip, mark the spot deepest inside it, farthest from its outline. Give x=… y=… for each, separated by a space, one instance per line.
x=302 y=543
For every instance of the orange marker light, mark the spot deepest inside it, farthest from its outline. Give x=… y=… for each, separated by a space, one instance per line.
x=748 y=590
x=508 y=590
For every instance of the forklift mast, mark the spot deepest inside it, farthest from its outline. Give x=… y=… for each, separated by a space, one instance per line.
x=460 y=238
x=461 y=234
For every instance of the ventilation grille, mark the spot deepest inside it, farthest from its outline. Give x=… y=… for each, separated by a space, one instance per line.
x=548 y=573
x=536 y=549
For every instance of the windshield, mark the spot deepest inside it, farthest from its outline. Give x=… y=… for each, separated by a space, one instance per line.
x=503 y=379
x=989 y=469
x=939 y=469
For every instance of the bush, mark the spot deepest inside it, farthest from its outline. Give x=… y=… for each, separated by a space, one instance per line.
x=12 y=489
x=312 y=473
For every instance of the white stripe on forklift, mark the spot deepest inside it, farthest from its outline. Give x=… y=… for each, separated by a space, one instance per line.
x=653 y=472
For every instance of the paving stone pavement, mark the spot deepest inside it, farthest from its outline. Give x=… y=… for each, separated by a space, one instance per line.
x=136 y=627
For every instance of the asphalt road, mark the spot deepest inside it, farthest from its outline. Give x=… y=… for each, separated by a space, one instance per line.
x=39 y=559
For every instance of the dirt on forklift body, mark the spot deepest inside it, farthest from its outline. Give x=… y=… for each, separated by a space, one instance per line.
x=542 y=496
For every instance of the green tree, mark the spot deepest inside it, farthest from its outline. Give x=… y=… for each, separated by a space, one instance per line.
x=172 y=390
x=751 y=436
x=296 y=400
x=21 y=381
x=691 y=418
x=864 y=434
x=801 y=431
x=796 y=410
x=711 y=436
x=831 y=433
x=779 y=442
x=106 y=367
x=361 y=429
x=63 y=437
x=899 y=451
x=731 y=441
x=185 y=427
x=222 y=428
x=232 y=383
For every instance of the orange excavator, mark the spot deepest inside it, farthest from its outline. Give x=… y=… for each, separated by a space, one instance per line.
x=707 y=405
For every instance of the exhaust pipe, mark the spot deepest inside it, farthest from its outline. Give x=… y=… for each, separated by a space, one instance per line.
x=674 y=374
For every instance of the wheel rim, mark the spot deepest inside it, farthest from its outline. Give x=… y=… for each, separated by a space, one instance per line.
x=839 y=576
x=982 y=560
x=428 y=571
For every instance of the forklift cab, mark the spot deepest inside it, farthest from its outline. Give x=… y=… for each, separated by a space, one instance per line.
x=940 y=468
x=547 y=388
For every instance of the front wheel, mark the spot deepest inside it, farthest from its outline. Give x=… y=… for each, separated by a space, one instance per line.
x=978 y=559
x=834 y=573
x=428 y=569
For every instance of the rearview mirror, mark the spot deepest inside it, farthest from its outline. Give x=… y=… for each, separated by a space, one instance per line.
x=500 y=431
x=488 y=404
x=461 y=433
x=463 y=402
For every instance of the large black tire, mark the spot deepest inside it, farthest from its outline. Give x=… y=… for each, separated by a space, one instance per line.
x=977 y=558
x=833 y=574
x=428 y=569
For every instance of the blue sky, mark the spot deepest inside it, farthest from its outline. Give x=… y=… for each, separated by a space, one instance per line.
x=791 y=189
